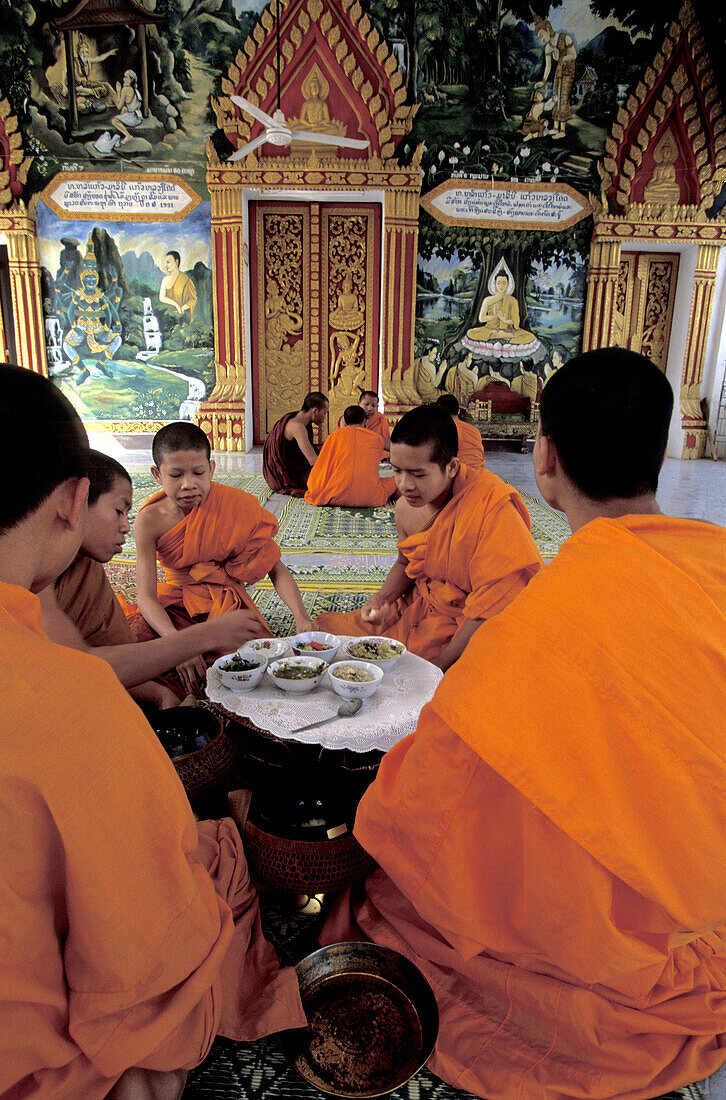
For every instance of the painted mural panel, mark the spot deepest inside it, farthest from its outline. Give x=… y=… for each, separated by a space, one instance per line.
x=128 y=315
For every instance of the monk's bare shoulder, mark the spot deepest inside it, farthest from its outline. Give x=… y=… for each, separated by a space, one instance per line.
x=409 y=520
x=156 y=519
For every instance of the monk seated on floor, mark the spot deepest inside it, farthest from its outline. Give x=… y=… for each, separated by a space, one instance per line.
x=131 y=935
x=81 y=609
x=289 y=454
x=471 y=448
x=375 y=421
x=346 y=472
x=213 y=540
x=551 y=837
x=464 y=546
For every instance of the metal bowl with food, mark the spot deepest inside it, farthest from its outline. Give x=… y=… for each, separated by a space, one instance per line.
x=355 y=679
x=315 y=643
x=372 y=1020
x=297 y=674
x=241 y=671
x=384 y=652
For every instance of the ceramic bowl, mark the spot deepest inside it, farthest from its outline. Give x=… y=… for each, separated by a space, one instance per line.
x=298 y=686
x=271 y=648
x=329 y=645
x=351 y=689
x=386 y=663
x=244 y=680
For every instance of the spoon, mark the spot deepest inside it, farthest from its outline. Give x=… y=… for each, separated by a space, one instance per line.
x=347 y=709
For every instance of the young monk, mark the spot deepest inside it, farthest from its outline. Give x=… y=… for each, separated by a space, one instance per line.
x=346 y=472
x=471 y=449
x=213 y=540
x=551 y=837
x=131 y=935
x=374 y=420
x=81 y=609
x=288 y=454
x=464 y=547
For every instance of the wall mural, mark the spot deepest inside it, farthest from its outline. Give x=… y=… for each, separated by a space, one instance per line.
x=128 y=315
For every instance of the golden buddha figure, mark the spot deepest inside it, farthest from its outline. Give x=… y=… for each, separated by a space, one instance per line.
x=663 y=186
x=500 y=320
x=347 y=314
x=315 y=114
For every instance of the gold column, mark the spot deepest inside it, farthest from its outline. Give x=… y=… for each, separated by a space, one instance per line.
x=397 y=321
x=694 y=426
x=24 y=269
x=222 y=415
x=602 y=285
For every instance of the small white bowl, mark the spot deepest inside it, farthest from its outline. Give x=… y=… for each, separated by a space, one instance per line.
x=242 y=680
x=351 y=689
x=386 y=663
x=271 y=648
x=329 y=642
x=308 y=683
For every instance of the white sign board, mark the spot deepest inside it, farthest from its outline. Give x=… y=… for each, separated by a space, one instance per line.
x=119 y=198
x=506 y=206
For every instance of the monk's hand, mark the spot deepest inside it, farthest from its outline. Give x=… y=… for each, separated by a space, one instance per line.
x=304 y=623
x=192 y=673
x=377 y=612
x=232 y=629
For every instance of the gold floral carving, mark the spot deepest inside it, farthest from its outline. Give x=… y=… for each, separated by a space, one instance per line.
x=349 y=260
x=281 y=292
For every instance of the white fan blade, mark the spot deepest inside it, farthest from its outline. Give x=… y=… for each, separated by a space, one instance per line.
x=239 y=154
x=329 y=139
x=250 y=108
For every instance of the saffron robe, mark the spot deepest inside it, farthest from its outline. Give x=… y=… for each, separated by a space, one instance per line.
x=471 y=448
x=552 y=841
x=84 y=593
x=284 y=466
x=376 y=423
x=346 y=472
x=469 y=563
x=130 y=938
x=210 y=555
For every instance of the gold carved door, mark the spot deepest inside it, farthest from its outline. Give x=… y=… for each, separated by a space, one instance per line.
x=315 y=304
x=644 y=303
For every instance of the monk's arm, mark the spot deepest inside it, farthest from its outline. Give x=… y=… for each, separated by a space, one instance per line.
x=302 y=439
x=288 y=591
x=457 y=645
x=146 y=579
x=163 y=297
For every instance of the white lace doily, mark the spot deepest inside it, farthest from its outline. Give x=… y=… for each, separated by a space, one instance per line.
x=384 y=719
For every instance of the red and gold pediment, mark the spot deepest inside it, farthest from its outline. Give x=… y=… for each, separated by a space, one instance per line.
x=336 y=76
x=15 y=165
x=668 y=145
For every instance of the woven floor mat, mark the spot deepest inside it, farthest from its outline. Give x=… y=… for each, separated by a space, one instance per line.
x=549 y=528
x=305 y=528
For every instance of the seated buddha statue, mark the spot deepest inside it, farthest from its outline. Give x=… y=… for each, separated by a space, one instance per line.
x=315 y=115
x=347 y=314
x=499 y=317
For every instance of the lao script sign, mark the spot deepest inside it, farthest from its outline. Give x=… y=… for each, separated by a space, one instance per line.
x=81 y=196
x=490 y=204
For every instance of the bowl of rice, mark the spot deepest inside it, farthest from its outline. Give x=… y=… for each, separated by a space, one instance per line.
x=382 y=652
x=355 y=679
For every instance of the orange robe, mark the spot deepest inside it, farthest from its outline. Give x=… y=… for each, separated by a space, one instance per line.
x=471 y=449
x=130 y=938
x=552 y=835
x=84 y=593
x=210 y=555
x=346 y=472
x=472 y=561
x=379 y=424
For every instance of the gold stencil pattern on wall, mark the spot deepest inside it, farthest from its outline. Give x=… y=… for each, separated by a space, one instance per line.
x=281 y=319
x=643 y=310
x=348 y=285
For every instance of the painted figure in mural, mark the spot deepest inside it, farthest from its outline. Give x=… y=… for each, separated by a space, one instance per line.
x=426 y=375
x=347 y=313
x=280 y=322
x=527 y=382
x=557 y=358
x=177 y=289
x=462 y=379
x=560 y=49
x=128 y=102
x=499 y=316
x=88 y=315
x=534 y=124
x=114 y=294
x=91 y=94
x=66 y=282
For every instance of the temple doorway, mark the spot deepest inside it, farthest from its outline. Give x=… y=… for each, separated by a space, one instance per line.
x=643 y=312
x=315 y=290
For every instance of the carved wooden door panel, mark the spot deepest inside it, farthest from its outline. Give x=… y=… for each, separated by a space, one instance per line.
x=315 y=284
x=644 y=303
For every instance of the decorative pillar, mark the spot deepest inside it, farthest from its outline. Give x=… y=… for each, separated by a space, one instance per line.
x=602 y=286
x=24 y=270
x=397 y=322
x=694 y=426
x=222 y=415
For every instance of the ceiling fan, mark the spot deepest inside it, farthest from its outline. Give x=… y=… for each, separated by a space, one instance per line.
x=277 y=132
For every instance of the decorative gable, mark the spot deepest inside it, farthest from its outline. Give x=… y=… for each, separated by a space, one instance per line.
x=335 y=74
x=15 y=165
x=668 y=145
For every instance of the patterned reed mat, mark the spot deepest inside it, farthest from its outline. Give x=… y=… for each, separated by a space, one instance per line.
x=549 y=528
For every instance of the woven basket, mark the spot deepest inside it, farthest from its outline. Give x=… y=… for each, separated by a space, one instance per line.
x=205 y=768
x=305 y=866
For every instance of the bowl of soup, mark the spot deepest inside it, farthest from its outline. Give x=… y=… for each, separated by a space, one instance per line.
x=355 y=679
x=315 y=643
x=383 y=652
x=297 y=674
